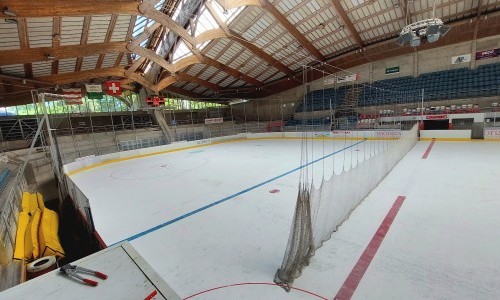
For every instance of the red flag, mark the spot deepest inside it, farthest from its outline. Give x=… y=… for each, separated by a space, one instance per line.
x=74 y=96
x=113 y=88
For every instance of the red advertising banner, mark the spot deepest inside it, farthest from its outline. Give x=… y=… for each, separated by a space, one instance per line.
x=436 y=117
x=487 y=54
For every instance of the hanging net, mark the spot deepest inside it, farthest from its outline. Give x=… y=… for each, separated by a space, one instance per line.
x=322 y=207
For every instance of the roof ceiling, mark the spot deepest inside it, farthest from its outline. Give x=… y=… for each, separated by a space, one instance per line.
x=211 y=48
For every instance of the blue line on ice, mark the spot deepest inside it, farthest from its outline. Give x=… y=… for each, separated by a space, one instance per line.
x=152 y=229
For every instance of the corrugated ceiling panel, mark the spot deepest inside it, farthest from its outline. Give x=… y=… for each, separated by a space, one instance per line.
x=200 y=89
x=89 y=62
x=276 y=77
x=39 y=32
x=239 y=83
x=42 y=68
x=260 y=68
x=98 y=28
x=247 y=18
x=229 y=53
x=71 y=30
x=218 y=46
x=14 y=70
x=124 y=61
x=9 y=36
x=238 y=61
x=218 y=77
x=190 y=86
x=259 y=25
x=287 y=5
x=178 y=83
x=121 y=28
x=266 y=74
x=109 y=59
x=195 y=69
x=67 y=65
x=227 y=81
x=250 y=64
x=207 y=73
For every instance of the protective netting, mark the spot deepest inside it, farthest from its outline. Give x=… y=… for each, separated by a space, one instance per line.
x=321 y=210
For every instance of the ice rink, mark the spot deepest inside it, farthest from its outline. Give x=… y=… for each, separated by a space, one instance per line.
x=206 y=220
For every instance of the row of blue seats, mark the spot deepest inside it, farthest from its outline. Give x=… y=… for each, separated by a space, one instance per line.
x=441 y=85
x=4 y=179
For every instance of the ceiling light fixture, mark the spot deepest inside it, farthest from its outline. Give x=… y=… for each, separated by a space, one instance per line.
x=426 y=30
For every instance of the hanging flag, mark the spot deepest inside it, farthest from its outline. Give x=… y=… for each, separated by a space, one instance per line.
x=113 y=88
x=94 y=91
x=74 y=96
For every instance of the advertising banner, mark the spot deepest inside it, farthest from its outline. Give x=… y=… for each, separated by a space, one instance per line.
x=464 y=58
x=487 y=54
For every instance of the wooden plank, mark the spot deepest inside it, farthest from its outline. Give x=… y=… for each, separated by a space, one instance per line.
x=60 y=8
x=9 y=57
x=347 y=22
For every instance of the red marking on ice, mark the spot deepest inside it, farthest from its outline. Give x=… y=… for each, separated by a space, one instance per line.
x=428 y=149
x=357 y=273
x=274 y=191
x=100 y=240
x=151 y=296
x=254 y=283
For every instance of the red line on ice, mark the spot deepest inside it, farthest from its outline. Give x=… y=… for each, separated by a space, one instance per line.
x=357 y=273
x=428 y=149
x=254 y=283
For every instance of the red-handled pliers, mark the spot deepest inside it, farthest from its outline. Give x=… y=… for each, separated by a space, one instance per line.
x=71 y=271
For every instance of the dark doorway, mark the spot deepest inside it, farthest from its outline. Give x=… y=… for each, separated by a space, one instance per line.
x=436 y=124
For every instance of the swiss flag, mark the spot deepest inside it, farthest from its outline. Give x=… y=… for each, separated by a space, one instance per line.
x=113 y=88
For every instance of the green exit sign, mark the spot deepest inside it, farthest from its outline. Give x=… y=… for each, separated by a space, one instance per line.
x=391 y=70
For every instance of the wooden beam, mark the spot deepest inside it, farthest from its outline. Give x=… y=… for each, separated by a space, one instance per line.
x=150 y=11
x=8 y=57
x=83 y=41
x=56 y=41
x=347 y=22
x=198 y=81
x=107 y=38
x=61 y=8
x=22 y=29
x=184 y=92
x=260 y=53
x=67 y=78
x=233 y=72
x=292 y=29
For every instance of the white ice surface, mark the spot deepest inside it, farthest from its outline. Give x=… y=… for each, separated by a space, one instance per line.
x=443 y=244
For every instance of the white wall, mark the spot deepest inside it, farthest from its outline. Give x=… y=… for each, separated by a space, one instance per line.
x=445 y=134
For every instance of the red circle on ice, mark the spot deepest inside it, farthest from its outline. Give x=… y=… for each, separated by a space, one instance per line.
x=274 y=191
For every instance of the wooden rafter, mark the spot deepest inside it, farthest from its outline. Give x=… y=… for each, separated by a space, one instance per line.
x=260 y=53
x=83 y=41
x=107 y=38
x=22 y=29
x=233 y=72
x=8 y=57
x=66 y=78
x=347 y=22
x=60 y=8
x=293 y=30
x=56 y=41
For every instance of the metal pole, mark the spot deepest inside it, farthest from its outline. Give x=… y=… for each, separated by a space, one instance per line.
x=422 y=109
